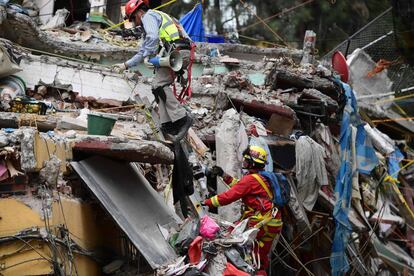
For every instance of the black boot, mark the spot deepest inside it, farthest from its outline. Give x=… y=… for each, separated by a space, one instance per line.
x=182 y=126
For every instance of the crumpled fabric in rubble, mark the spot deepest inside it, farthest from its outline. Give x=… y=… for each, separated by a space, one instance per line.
x=310 y=170
x=324 y=137
x=209 y=227
x=231 y=270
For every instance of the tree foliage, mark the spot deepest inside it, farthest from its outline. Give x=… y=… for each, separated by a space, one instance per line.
x=332 y=20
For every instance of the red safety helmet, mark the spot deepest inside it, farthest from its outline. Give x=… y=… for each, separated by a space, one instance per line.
x=133 y=5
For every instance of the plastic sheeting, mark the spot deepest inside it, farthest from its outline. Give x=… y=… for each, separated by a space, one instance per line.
x=193 y=23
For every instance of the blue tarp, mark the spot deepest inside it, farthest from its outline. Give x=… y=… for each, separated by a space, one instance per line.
x=366 y=161
x=394 y=160
x=193 y=23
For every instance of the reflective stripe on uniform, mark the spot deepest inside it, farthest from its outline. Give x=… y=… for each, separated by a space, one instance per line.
x=275 y=223
x=233 y=181
x=168 y=29
x=215 y=202
x=267 y=238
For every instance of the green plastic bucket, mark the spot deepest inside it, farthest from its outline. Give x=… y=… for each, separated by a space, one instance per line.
x=100 y=124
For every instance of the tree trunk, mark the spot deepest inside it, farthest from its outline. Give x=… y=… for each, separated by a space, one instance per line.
x=218 y=17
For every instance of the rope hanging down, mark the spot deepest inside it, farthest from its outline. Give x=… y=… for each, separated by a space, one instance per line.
x=246 y=6
x=278 y=14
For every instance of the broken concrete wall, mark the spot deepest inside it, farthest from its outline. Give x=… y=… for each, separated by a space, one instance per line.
x=87 y=80
x=86 y=229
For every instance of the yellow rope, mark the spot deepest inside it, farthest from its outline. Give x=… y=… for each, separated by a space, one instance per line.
x=116 y=25
x=258 y=40
x=263 y=22
x=402 y=168
x=395 y=99
x=400 y=109
x=165 y=4
x=277 y=14
x=393 y=119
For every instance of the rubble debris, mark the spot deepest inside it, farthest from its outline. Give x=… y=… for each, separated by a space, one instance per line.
x=57 y=21
x=295 y=115
x=280 y=78
x=309 y=42
x=281 y=125
x=9 y=63
x=50 y=172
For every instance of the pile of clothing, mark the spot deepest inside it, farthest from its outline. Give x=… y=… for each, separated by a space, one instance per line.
x=210 y=246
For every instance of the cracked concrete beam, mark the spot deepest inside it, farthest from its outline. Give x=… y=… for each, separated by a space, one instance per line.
x=22 y=29
x=282 y=78
x=123 y=149
x=16 y=120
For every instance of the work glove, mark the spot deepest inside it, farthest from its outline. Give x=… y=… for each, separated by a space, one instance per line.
x=207 y=203
x=155 y=61
x=119 y=67
x=216 y=171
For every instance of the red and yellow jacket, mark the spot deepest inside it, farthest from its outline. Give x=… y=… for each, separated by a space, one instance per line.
x=254 y=197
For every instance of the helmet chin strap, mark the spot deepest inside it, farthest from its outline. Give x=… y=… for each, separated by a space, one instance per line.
x=248 y=164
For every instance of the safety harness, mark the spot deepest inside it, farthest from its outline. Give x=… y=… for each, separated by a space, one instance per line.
x=170 y=32
x=261 y=221
x=268 y=219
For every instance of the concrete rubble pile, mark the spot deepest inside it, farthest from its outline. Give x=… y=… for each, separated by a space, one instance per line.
x=76 y=197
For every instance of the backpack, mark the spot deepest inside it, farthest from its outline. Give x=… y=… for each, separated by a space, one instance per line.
x=280 y=187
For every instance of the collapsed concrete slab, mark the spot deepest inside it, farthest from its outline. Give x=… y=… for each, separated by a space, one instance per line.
x=133 y=204
x=23 y=30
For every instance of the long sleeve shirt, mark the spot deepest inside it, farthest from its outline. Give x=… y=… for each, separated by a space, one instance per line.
x=151 y=22
x=253 y=195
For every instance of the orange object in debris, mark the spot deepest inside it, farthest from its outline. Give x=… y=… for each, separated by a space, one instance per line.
x=194 y=251
x=380 y=66
x=231 y=270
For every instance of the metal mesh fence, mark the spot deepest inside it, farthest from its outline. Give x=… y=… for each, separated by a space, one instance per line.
x=377 y=38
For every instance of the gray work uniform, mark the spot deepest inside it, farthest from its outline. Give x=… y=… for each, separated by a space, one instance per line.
x=170 y=110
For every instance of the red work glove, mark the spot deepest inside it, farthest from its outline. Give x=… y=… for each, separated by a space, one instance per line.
x=208 y=203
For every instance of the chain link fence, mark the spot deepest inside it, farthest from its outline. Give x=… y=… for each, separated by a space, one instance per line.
x=378 y=40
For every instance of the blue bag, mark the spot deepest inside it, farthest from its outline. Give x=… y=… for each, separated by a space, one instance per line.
x=280 y=187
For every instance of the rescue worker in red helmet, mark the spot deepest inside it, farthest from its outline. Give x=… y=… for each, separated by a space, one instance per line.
x=258 y=207
x=160 y=29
